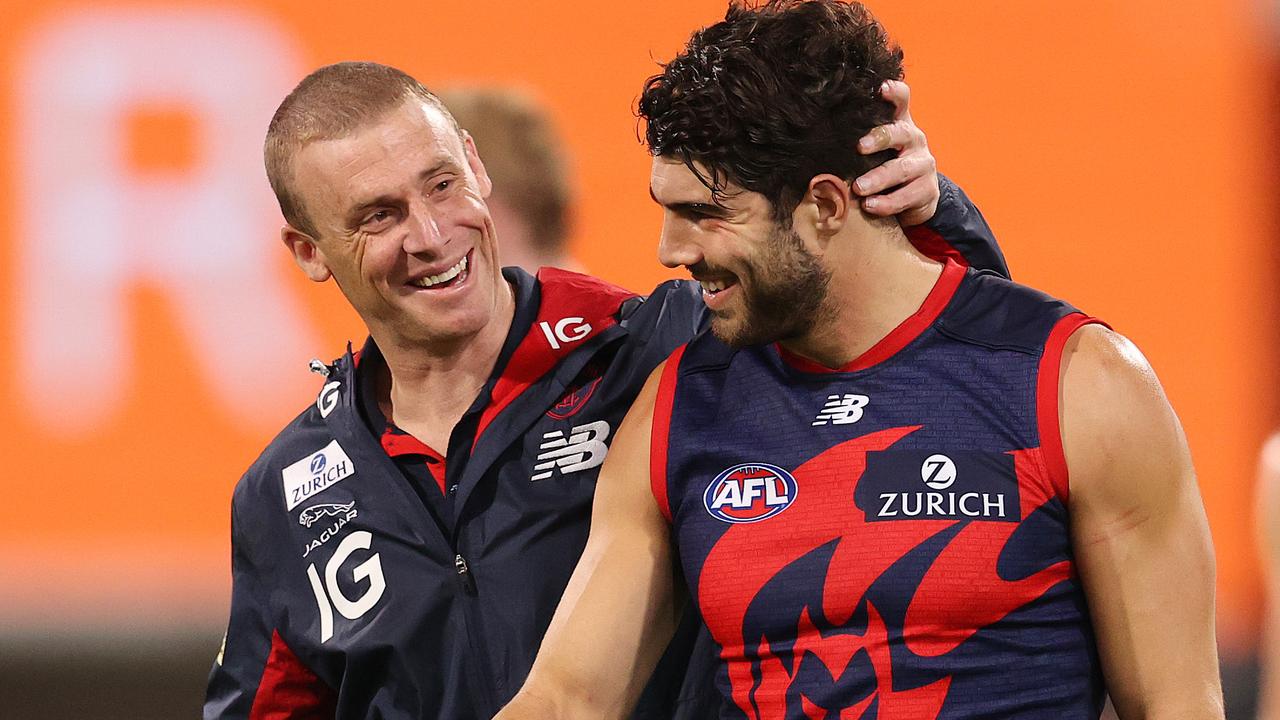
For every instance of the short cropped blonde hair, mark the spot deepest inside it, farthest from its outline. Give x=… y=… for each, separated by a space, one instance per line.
x=330 y=103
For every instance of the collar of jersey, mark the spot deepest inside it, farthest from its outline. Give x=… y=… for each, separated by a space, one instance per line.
x=898 y=338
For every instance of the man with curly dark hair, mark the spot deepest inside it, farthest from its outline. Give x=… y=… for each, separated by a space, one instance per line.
x=400 y=547
x=861 y=469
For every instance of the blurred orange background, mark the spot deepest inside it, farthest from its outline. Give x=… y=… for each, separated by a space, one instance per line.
x=156 y=335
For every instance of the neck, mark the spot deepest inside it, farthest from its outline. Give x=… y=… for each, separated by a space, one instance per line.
x=877 y=281
x=431 y=384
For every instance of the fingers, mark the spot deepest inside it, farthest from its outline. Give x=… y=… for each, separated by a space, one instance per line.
x=902 y=133
x=912 y=176
x=898 y=93
x=899 y=171
x=914 y=203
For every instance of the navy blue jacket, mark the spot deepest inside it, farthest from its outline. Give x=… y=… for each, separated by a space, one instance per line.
x=350 y=600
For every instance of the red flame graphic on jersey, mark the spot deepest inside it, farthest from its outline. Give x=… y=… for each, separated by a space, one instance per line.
x=747 y=557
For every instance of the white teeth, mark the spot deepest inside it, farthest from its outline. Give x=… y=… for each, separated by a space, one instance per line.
x=446 y=276
x=712 y=286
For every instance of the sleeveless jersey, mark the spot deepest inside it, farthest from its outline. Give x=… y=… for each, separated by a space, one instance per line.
x=890 y=539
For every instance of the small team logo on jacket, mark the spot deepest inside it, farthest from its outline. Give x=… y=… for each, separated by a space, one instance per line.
x=750 y=492
x=574 y=400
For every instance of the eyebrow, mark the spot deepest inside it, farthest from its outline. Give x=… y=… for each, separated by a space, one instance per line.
x=354 y=214
x=691 y=207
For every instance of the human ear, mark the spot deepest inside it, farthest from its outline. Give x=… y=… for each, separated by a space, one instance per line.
x=306 y=253
x=830 y=202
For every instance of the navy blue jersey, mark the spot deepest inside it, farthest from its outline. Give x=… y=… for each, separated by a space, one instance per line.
x=890 y=539
x=361 y=590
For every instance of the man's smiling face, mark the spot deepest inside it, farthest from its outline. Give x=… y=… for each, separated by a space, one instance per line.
x=398 y=208
x=758 y=278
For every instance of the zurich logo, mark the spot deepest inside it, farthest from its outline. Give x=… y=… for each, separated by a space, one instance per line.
x=749 y=492
x=317 y=463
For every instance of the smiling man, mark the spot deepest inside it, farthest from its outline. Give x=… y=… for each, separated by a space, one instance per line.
x=893 y=487
x=399 y=549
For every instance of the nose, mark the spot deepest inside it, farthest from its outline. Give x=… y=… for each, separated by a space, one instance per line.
x=425 y=234
x=675 y=247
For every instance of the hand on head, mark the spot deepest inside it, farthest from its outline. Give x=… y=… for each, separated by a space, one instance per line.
x=906 y=186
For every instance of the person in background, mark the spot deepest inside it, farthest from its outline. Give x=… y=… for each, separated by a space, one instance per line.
x=532 y=200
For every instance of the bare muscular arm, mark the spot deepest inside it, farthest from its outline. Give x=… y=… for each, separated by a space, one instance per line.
x=620 y=608
x=1269 y=551
x=1139 y=531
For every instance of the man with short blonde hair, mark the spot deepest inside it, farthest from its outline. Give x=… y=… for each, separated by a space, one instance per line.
x=328 y=105
x=399 y=548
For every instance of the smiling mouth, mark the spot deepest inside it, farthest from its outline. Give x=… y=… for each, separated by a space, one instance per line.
x=712 y=288
x=453 y=276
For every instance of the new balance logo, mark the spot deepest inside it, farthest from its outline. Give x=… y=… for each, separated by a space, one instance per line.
x=841 y=410
x=583 y=449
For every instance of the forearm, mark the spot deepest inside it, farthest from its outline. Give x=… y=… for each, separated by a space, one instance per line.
x=593 y=662
x=622 y=604
x=546 y=699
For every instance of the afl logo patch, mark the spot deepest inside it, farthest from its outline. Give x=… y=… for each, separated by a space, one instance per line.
x=749 y=492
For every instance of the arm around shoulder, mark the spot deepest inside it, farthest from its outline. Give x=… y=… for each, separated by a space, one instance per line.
x=1139 y=531
x=960 y=224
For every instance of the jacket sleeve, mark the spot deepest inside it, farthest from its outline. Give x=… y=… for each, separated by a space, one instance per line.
x=256 y=676
x=665 y=319
x=957 y=230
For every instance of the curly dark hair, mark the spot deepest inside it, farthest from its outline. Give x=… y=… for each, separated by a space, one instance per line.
x=773 y=95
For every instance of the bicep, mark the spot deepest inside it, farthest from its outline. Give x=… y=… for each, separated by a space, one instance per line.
x=619 y=610
x=1139 y=529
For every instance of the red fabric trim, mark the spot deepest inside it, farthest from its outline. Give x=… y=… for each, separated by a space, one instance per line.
x=659 y=434
x=289 y=690
x=932 y=243
x=397 y=443
x=1048 y=380
x=437 y=473
x=899 y=337
x=564 y=295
